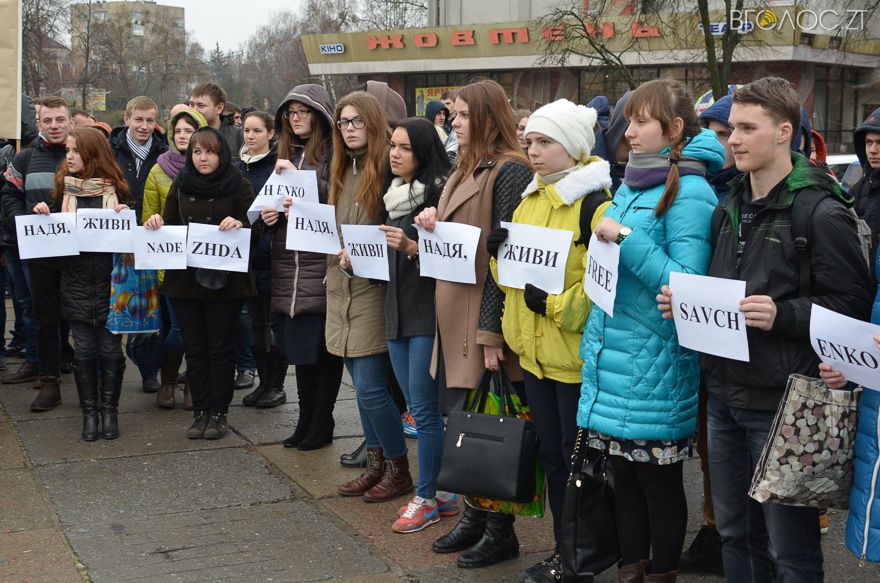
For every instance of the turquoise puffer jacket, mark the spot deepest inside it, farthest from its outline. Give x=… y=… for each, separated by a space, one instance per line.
x=638 y=383
x=863 y=523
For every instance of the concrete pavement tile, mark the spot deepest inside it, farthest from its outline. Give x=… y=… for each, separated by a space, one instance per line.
x=23 y=503
x=93 y=492
x=16 y=399
x=317 y=472
x=413 y=551
x=286 y=541
x=37 y=556
x=11 y=454
x=262 y=426
x=58 y=440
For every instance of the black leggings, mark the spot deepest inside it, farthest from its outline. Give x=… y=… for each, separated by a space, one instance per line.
x=651 y=510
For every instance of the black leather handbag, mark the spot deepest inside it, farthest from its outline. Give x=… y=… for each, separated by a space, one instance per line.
x=490 y=456
x=589 y=529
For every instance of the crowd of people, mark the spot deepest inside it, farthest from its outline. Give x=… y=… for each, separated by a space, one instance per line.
x=709 y=194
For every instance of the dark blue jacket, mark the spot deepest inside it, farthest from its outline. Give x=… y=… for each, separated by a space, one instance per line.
x=258 y=173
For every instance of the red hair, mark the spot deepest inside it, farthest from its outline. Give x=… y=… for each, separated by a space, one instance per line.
x=98 y=162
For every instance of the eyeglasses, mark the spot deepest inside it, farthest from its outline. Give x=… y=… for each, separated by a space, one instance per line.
x=357 y=123
x=300 y=113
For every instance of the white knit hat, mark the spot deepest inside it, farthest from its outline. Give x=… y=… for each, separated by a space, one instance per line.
x=569 y=124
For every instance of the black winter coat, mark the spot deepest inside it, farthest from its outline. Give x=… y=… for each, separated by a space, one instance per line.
x=182 y=209
x=409 y=297
x=770 y=266
x=258 y=173
x=29 y=179
x=126 y=160
x=85 y=281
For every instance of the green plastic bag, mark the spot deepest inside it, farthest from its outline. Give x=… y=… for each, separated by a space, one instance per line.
x=492 y=406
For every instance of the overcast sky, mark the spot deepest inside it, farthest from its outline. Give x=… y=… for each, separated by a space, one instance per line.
x=228 y=22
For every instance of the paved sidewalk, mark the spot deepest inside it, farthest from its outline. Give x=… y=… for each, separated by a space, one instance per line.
x=153 y=506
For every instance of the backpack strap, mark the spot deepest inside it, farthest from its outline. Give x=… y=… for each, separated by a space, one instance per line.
x=589 y=206
x=802 y=211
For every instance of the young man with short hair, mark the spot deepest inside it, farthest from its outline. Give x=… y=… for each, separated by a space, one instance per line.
x=866 y=191
x=30 y=180
x=755 y=242
x=137 y=146
x=81 y=118
x=210 y=100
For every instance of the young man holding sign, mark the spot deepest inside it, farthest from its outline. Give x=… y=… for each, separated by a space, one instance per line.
x=755 y=242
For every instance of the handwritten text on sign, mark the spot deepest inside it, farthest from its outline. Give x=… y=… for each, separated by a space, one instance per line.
x=46 y=235
x=847 y=345
x=312 y=227
x=300 y=185
x=105 y=230
x=706 y=314
x=449 y=253
x=367 y=249
x=600 y=280
x=209 y=247
x=163 y=248
x=535 y=255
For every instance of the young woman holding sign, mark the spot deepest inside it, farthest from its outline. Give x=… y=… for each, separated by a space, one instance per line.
x=304 y=122
x=639 y=392
x=256 y=162
x=484 y=189
x=159 y=180
x=207 y=303
x=89 y=178
x=420 y=166
x=570 y=191
x=356 y=306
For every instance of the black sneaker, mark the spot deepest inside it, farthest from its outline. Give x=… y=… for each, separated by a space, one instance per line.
x=199 y=424
x=150 y=384
x=244 y=379
x=217 y=426
x=704 y=554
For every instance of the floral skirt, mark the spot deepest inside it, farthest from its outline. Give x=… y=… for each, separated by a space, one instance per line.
x=651 y=451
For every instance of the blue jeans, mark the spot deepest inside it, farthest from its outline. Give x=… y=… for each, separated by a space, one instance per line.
x=173 y=337
x=21 y=296
x=755 y=534
x=411 y=359
x=379 y=415
x=244 y=355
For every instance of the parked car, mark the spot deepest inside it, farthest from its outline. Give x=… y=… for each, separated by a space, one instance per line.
x=846 y=168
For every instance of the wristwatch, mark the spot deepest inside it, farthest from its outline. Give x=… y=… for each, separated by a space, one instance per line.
x=623 y=234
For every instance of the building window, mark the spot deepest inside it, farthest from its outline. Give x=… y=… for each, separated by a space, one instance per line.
x=807 y=39
x=179 y=23
x=99 y=15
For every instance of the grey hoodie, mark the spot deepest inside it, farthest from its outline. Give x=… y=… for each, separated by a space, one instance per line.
x=315 y=96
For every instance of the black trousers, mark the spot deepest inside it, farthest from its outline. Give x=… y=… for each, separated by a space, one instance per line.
x=208 y=329
x=554 y=413
x=45 y=284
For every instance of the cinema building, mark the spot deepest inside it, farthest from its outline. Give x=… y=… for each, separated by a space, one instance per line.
x=831 y=59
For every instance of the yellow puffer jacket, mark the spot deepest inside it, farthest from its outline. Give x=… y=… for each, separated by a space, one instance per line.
x=548 y=346
x=155 y=192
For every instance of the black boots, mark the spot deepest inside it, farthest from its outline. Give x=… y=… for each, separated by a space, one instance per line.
x=499 y=543
x=466 y=533
x=306 y=392
x=355 y=459
x=85 y=374
x=704 y=554
x=274 y=394
x=111 y=388
x=322 y=426
x=261 y=357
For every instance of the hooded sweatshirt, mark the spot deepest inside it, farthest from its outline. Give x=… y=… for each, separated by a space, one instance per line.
x=608 y=140
x=389 y=100
x=431 y=110
x=603 y=109
x=867 y=190
x=720 y=112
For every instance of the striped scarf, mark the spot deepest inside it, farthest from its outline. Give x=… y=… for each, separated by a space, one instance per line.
x=140 y=151
x=89 y=187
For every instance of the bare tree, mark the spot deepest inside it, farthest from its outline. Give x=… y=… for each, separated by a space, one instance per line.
x=386 y=14
x=40 y=20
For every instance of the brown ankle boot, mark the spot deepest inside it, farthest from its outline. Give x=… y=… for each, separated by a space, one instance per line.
x=661 y=577
x=633 y=573
x=396 y=481
x=371 y=476
x=165 y=396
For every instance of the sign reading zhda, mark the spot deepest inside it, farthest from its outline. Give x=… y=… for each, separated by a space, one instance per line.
x=210 y=248
x=300 y=185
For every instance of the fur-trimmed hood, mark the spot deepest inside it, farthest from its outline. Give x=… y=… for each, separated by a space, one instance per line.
x=593 y=176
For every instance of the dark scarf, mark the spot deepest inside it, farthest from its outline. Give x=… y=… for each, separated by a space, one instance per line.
x=222 y=182
x=171 y=162
x=647 y=170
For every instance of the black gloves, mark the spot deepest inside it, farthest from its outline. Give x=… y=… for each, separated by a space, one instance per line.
x=494 y=241
x=536 y=299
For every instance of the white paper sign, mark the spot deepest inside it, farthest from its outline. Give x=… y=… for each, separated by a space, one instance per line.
x=46 y=235
x=312 y=227
x=534 y=255
x=600 y=280
x=209 y=247
x=298 y=184
x=367 y=249
x=163 y=248
x=846 y=344
x=707 y=316
x=450 y=252
x=105 y=230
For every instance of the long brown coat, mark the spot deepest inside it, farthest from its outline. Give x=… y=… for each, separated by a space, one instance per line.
x=355 y=306
x=469 y=200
